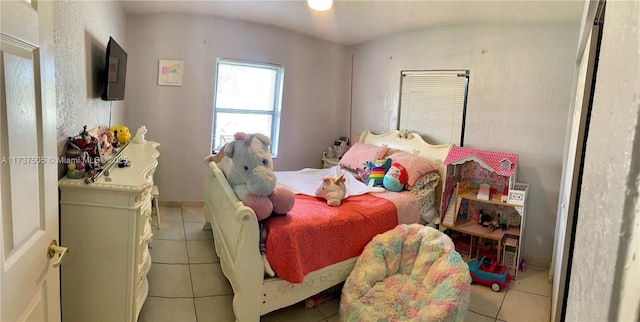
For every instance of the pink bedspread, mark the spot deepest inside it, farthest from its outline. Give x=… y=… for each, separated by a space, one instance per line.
x=342 y=231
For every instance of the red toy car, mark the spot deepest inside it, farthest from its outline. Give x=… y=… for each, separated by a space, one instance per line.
x=489 y=273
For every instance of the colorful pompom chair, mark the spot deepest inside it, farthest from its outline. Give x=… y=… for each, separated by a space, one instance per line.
x=410 y=273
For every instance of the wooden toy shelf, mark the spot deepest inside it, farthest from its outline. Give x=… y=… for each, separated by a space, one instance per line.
x=471 y=227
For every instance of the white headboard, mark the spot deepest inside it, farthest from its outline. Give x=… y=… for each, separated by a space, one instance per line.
x=413 y=143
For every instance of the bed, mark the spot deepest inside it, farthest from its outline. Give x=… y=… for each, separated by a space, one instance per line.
x=236 y=236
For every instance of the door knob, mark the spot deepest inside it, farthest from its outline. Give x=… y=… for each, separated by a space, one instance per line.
x=55 y=249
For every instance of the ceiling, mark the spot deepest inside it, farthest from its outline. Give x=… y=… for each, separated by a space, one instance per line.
x=351 y=22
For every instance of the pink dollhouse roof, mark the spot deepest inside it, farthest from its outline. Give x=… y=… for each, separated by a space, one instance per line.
x=487 y=159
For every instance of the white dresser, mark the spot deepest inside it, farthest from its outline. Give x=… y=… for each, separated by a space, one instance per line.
x=106 y=226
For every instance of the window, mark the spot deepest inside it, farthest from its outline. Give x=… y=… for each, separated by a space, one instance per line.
x=247 y=99
x=433 y=104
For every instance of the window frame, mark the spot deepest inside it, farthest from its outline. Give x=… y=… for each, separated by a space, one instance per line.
x=275 y=112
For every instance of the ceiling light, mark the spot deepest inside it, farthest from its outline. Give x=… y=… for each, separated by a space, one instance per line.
x=320 y=5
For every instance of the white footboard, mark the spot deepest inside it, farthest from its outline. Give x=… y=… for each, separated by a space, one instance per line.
x=235 y=231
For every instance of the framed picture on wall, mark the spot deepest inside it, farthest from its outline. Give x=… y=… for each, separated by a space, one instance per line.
x=170 y=72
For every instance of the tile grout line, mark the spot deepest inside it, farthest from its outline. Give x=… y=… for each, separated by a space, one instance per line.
x=172 y=297
x=531 y=293
x=478 y=313
x=206 y=296
x=193 y=291
x=169 y=263
x=506 y=291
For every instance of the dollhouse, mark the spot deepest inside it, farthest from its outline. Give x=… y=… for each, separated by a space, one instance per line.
x=483 y=205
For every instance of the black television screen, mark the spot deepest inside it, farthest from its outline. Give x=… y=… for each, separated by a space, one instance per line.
x=115 y=72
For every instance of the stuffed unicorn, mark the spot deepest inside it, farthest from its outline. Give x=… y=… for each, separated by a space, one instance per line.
x=333 y=190
x=248 y=166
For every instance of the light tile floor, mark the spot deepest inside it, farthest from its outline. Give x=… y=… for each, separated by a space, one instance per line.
x=186 y=283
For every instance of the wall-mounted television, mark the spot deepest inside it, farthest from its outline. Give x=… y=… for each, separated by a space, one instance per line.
x=115 y=72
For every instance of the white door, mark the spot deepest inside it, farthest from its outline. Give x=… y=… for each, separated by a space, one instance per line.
x=29 y=285
x=573 y=168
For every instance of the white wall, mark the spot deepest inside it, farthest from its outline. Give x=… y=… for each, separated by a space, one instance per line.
x=519 y=96
x=605 y=273
x=314 y=104
x=81 y=33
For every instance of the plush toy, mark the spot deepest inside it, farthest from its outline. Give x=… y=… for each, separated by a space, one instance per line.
x=363 y=174
x=395 y=178
x=248 y=166
x=333 y=190
x=378 y=170
x=121 y=133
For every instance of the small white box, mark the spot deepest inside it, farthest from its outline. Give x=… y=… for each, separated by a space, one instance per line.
x=518 y=194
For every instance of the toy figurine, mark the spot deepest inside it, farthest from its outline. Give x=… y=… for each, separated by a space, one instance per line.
x=485 y=220
x=493 y=226
x=139 y=138
x=503 y=221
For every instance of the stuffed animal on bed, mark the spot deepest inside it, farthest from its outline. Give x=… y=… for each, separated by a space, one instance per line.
x=395 y=178
x=378 y=170
x=333 y=190
x=248 y=166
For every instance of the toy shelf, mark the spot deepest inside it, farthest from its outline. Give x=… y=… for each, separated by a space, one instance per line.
x=472 y=228
x=496 y=198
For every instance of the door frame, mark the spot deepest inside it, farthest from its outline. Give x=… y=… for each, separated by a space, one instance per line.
x=574 y=150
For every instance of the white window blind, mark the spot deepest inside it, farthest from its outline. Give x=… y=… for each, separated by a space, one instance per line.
x=433 y=103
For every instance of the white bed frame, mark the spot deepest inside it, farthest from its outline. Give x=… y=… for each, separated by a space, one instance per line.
x=235 y=232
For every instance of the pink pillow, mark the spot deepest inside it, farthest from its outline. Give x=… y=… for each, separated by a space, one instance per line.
x=416 y=166
x=360 y=153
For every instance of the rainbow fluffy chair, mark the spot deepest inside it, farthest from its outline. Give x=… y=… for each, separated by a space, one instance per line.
x=410 y=273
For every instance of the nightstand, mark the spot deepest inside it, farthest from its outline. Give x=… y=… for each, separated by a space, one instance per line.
x=329 y=162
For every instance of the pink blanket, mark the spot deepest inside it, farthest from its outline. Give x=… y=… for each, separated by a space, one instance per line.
x=293 y=248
